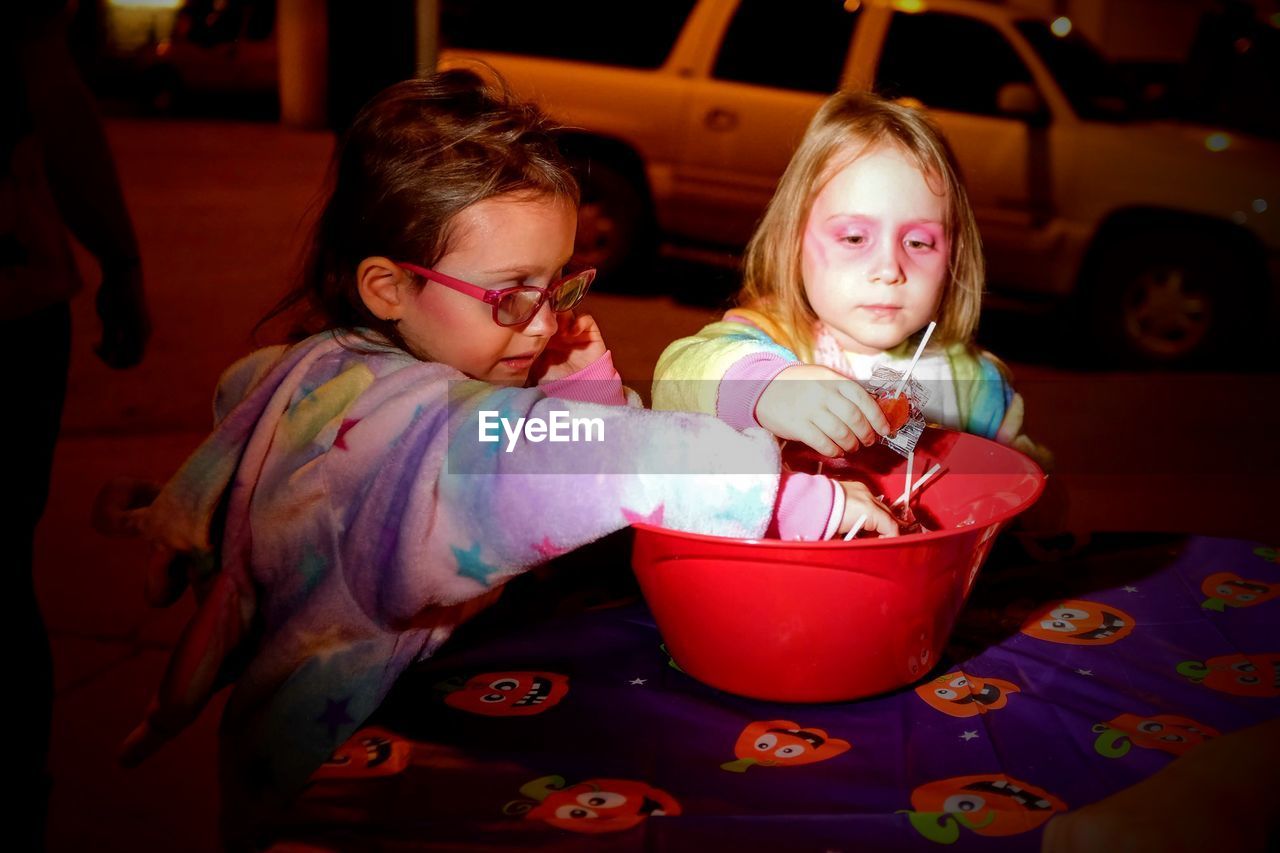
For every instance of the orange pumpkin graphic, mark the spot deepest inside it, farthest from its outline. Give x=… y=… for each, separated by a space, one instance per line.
x=597 y=805
x=962 y=695
x=1227 y=589
x=369 y=753
x=988 y=804
x=1256 y=675
x=1078 y=623
x=1165 y=732
x=774 y=743
x=510 y=694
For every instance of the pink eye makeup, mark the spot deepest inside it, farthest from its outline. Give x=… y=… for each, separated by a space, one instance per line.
x=851 y=231
x=921 y=238
x=875 y=253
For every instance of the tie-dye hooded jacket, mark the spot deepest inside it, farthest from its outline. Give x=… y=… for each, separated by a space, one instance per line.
x=724 y=368
x=348 y=519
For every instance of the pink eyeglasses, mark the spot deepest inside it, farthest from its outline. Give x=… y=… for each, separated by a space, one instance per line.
x=517 y=305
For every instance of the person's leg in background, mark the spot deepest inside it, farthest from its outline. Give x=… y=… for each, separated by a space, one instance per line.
x=37 y=356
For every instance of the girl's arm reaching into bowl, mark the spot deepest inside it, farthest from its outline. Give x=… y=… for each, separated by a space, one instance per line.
x=858 y=501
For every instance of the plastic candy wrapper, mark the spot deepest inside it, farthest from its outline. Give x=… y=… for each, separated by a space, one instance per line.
x=910 y=424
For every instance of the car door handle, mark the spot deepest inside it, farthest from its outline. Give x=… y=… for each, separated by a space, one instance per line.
x=720 y=119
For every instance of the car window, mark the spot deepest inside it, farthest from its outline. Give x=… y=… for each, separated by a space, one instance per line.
x=1094 y=86
x=947 y=62
x=799 y=46
x=639 y=35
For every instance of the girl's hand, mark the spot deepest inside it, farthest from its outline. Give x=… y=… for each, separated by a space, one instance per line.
x=576 y=344
x=120 y=504
x=858 y=500
x=821 y=408
x=126 y=326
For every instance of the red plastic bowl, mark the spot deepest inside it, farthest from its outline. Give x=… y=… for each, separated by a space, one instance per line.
x=833 y=621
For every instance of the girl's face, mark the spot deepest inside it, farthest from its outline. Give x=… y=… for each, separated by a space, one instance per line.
x=875 y=252
x=497 y=243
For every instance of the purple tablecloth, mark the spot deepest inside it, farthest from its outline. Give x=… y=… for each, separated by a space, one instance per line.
x=1063 y=683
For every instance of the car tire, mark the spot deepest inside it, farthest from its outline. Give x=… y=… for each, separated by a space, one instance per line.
x=616 y=230
x=1166 y=298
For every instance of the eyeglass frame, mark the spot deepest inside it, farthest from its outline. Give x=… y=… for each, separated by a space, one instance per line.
x=493 y=297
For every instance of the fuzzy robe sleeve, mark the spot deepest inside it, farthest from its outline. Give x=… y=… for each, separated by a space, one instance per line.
x=691 y=372
x=362 y=519
x=432 y=516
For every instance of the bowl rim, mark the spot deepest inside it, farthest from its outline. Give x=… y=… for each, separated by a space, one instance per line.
x=1041 y=481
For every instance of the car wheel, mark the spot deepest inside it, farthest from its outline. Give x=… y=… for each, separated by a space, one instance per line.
x=1157 y=298
x=616 y=232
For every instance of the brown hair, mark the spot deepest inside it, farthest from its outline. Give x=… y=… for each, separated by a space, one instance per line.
x=417 y=155
x=847 y=125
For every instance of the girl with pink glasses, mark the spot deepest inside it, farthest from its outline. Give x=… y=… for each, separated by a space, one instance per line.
x=348 y=512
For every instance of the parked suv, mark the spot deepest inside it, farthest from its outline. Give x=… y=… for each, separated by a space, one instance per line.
x=1166 y=234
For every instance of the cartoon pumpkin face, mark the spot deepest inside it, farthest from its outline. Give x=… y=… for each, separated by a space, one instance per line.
x=774 y=743
x=988 y=804
x=1255 y=675
x=1079 y=623
x=962 y=695
x=369 y=753
x=510 y=694
x=1227 y=589
x=1166 y=732
x=603 y=805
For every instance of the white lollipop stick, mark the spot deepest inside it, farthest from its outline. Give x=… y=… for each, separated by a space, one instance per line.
x=857 y=525
x=901 y=498
x=911 y=461
x=926 y=476
x=902 y=383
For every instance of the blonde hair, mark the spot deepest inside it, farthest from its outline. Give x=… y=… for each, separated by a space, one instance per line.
x=773 y=281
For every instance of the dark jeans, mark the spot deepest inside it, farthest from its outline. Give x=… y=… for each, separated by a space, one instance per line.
x=37 y=352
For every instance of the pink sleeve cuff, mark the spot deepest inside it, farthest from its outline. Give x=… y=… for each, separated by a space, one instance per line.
x=742 y=385
x=598 y=382
x=808 y=507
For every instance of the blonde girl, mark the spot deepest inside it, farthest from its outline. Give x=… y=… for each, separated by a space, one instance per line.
x=868 y=238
